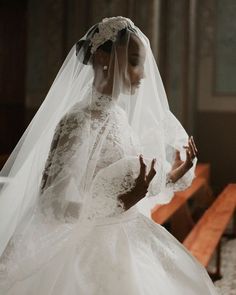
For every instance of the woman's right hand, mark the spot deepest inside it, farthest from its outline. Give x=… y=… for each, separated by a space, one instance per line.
x=140 y=188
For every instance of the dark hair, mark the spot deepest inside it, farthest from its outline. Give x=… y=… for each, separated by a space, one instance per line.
x=85 y=45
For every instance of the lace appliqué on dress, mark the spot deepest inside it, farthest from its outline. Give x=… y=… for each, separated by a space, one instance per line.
x=93 y=137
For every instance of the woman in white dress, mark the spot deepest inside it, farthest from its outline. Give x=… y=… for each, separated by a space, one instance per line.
x=76 y=193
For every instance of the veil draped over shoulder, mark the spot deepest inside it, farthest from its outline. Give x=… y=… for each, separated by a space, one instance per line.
x=81 y=149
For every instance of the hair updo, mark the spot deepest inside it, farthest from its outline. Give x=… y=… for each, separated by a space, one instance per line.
x=83 y=46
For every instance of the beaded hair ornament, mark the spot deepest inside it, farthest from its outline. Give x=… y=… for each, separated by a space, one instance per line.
x=108 y=29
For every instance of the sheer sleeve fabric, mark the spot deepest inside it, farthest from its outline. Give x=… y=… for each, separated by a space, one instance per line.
x=60 y=189
x=174 y=138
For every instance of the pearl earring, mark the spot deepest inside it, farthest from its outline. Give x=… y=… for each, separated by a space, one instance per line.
x=105 y=68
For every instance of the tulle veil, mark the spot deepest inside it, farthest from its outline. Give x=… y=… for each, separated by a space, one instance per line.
x=48 y=175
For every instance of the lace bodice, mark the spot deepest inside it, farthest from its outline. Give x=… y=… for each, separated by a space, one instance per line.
x=87 y=140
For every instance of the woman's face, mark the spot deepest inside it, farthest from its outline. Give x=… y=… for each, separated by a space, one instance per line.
x=125 y=72
x=131 y=64
x=135 y=67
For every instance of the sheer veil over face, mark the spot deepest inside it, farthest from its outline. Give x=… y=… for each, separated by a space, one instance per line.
x=106 y=106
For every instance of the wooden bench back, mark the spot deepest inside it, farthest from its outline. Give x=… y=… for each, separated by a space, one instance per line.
x=161 y=213
x=205 y=236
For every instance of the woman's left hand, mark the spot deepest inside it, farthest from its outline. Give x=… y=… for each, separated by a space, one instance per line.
x=180 y=167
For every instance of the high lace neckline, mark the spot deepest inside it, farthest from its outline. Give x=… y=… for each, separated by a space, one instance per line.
x=101 y=101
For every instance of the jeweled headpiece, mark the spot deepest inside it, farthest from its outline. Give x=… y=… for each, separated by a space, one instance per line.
x=108 y=29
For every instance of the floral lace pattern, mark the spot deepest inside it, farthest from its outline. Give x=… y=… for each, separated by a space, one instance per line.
x=105 y=140
x=99 y=138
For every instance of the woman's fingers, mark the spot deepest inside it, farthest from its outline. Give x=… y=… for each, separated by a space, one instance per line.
x=143 y=168
x=177 y=155
x=194 y=145
x=152 y=172
x=188 y=151
x=188 y=155
x=191 y=148
x=144 y=180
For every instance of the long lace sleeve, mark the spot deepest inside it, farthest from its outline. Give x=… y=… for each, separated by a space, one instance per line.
x=110 y=183
x=48 y=176
x=60 y=185
x=163 y=187
x=174 y=138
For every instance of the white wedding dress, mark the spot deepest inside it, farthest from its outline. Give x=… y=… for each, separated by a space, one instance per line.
x=123 y=252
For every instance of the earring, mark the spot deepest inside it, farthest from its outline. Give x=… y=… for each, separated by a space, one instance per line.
x=105 y=68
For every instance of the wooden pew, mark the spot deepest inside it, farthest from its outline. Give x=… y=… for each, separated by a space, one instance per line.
x=177 y=213
x=205 y=237
x=207 y=198
x=203 y=171
x=161 y=213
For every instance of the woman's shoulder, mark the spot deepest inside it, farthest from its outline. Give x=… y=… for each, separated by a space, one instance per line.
x=76 y=116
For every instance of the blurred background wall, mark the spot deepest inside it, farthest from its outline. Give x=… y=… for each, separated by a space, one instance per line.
x=193 y=41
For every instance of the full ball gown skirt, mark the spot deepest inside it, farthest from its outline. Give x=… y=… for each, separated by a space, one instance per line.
x=128 y=254
x=122 y=254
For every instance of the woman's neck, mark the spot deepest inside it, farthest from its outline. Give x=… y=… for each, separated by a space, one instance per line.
x=105 y=88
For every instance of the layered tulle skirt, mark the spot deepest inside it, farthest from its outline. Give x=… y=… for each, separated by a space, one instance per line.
x=128 y=255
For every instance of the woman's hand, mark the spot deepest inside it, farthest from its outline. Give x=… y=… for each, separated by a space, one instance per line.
x=140 y=188
x=180 y=167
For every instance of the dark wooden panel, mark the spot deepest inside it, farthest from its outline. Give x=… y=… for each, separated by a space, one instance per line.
x=11 y=127
x=13 y=37
x=216 y=143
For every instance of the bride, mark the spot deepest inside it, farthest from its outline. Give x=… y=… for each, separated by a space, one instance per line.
x=76 y=192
